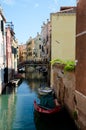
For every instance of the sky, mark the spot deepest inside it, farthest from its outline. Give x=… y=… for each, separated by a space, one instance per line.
x=28 y=16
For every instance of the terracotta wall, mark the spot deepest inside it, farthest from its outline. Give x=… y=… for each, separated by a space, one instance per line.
x=80 y=92
x=81 y=47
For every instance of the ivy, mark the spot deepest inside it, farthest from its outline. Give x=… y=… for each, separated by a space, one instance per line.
x=57 y=61
x=68 y=65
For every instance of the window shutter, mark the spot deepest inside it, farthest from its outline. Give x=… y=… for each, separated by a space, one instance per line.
x=2 y=27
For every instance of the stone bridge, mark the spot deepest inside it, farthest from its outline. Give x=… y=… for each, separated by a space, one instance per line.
x=33 y=63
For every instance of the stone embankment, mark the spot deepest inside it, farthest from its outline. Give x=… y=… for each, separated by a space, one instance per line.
x=64 y=84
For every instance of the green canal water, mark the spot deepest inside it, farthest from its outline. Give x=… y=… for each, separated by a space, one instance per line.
x=17 y=111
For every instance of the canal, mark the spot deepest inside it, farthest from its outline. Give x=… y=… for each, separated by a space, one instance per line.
x=17 y=111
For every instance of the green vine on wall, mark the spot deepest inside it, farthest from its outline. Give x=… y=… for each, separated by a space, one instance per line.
x=68 y=65
x=75 y=115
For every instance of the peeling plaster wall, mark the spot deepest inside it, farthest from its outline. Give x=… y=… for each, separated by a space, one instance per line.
x=64 y=85
x=69 y=89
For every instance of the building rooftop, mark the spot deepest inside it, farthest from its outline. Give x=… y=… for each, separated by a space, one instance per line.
x=68 y=9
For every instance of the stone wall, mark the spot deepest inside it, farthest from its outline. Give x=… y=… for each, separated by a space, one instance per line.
x=64 y=86
x=81 y=109
x=65 y=89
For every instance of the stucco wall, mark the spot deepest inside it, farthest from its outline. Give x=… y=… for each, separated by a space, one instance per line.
x=63 y=36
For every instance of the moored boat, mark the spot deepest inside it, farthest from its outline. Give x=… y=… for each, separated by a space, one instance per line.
x=42 y=109
x=44 y=91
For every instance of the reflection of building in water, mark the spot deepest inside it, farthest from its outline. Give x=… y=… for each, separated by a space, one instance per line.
x=7 y=111
x=35 y=84
x=32 y=85
x=34 y=75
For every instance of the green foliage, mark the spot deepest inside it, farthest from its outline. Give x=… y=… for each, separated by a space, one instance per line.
x=68 y=65
x=57 y=61
x=75 y=115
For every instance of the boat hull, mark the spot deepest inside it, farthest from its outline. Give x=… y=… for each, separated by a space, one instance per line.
x=45 y=110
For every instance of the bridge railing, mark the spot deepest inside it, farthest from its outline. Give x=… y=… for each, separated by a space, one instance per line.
x=31 y=62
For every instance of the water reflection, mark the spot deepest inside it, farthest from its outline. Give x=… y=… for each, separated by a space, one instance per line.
x=59 y=121
x=17 y=111
x=7 y=111
x=16 y=106
x=34 y=75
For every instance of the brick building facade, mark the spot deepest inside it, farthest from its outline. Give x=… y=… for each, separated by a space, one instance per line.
x=81 y=62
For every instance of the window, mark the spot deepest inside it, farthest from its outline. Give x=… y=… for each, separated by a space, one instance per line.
x=42 y=49
x=2 y=26
x=39 y=46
